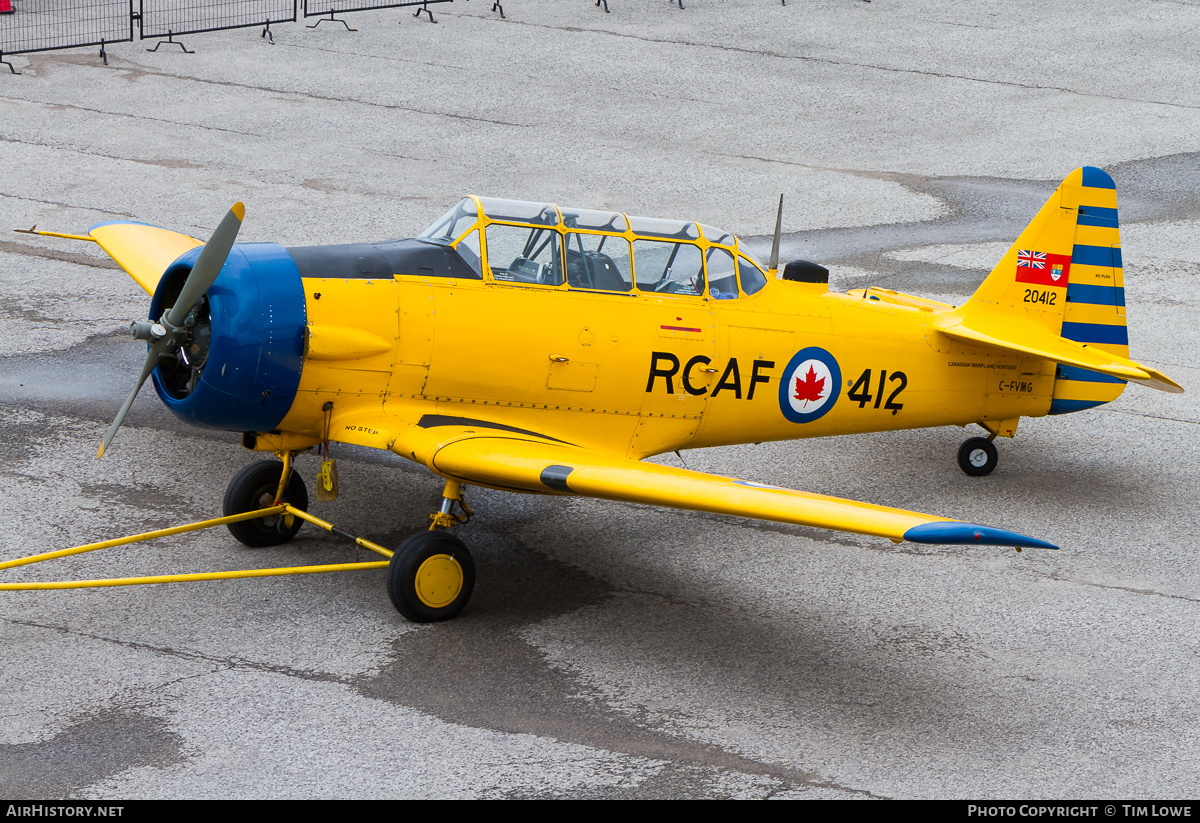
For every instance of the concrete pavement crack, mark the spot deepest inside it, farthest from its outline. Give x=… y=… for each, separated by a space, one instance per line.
x=85 y=153
x=225 y=662
x=1149 y=416
x=831 y=62
x=1129 y=589
x=61 y=205
x=10 y=247
x=307 y=95
x=127 y=114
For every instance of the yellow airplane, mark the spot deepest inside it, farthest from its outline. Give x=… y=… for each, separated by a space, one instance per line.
x=531 y=348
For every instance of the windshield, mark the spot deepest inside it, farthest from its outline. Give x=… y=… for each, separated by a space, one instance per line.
x=451 y=225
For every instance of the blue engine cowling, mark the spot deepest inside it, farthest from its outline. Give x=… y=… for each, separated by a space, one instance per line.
x=256 y=350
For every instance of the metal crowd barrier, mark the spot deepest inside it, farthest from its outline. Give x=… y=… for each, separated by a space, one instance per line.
x=43 y=25
x=320 y=8
x=168 y=18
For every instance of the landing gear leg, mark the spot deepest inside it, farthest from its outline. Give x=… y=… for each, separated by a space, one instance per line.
x=431 y=576
x=977 y=456
x=445 y=518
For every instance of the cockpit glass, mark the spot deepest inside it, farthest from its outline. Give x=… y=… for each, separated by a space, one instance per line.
x=668 y=268
x=451 y=225
x=520 y=254
x=752 y=279
x=598 y=261
x=596 y=220
x=653 y=227
x=722 y=275
x=520 y=211
x=717 y=236
x=743 y=251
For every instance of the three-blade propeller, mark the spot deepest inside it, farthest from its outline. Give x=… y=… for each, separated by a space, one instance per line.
x=166 y=336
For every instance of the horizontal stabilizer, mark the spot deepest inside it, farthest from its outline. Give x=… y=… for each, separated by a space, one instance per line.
x=143 y=251
x=1040 y=342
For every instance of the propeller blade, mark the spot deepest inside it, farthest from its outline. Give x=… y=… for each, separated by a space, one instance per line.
x=151 y=362
x=208 y=265
x=773 y=266
x=163 y=338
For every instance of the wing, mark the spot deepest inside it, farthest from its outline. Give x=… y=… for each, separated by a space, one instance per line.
x=143 y=251
x=481 y=453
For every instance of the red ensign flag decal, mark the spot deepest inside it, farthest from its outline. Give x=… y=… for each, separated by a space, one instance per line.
x=1042 y=269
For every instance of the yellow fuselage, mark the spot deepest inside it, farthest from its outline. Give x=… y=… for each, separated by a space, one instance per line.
x=637 y=373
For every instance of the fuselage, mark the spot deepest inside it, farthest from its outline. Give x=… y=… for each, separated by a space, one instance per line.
x=651 y=372
x=617 y=334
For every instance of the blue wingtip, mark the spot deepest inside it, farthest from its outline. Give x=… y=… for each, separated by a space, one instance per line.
x=954 y=532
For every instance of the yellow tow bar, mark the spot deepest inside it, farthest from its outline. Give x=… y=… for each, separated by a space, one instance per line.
x=191 y=578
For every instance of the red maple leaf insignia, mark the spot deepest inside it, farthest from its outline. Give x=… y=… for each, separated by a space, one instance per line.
x=810 y=387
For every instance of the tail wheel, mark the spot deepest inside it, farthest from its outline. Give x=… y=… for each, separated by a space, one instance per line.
x=431 y=577
x=977 y=456
x=254 y=488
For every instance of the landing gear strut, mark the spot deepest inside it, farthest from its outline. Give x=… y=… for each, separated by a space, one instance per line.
x=977 y=456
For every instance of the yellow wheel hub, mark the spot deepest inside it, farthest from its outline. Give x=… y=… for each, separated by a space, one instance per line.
x=439 y=581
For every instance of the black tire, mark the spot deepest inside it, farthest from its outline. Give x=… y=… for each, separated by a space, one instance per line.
x=253 y=488
x=431 y=577
x=977 y=456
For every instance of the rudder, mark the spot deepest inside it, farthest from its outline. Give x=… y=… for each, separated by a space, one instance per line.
x=1095 y=299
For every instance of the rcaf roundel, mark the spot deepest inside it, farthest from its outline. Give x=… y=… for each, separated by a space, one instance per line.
x=810 y=385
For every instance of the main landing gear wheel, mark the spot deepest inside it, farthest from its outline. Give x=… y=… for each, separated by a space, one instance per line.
x=431 y=577
x=977 y=456
x=253 y=488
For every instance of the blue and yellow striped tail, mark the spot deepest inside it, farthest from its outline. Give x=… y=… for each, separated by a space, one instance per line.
x=1058 y=294
x=1094 y=312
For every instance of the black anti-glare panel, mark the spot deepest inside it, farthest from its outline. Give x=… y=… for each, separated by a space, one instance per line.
x=370 y=261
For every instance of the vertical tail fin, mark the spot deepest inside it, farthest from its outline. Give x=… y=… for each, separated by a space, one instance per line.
x=1064 y=276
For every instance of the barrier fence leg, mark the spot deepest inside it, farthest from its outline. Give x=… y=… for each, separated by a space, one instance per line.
x=172 y=41
x=6 y=63
x=425 y=8
x=332 y=19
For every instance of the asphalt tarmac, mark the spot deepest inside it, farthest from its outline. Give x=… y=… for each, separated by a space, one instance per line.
x=612 y=650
